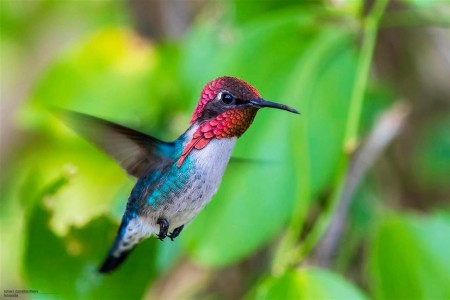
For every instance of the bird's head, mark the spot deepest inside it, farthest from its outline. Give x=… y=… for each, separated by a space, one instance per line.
x=229 y=105
x=226 y=109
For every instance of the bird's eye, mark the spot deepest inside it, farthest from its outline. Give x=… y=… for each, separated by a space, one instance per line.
x=226 y=98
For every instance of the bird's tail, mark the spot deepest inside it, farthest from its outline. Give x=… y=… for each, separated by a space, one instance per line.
x=112 y=262
x=123 y=245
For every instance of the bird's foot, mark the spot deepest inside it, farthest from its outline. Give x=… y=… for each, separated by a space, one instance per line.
x=176 y=232
x=163 y=228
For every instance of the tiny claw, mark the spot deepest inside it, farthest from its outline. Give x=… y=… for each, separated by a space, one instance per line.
x=161 y=237
x=163 y=229
x=176 y=232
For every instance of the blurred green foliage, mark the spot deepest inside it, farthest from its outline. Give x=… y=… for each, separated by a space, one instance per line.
x=62 y=199
x=410 y=259
x=73 y=260
x=307 y=284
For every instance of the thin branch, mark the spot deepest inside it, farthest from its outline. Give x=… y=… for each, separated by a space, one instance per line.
x=385 y=130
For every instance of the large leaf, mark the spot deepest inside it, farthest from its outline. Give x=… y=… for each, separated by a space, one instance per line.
x=306 y=284
x=410 y=258
x=67 y=267
x=106 y=74
x=313 y=71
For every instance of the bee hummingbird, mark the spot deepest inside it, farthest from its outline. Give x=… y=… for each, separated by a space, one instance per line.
x=175 y=179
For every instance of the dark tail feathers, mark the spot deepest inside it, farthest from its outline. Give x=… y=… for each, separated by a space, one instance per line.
x=112 y=262
x=115 y=258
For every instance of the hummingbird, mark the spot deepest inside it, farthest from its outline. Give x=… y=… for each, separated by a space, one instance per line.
x=175 y=180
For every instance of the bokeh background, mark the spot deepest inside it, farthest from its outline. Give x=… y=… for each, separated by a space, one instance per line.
x=348 y=200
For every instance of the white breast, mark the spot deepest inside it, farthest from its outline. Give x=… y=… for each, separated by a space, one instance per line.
x=210 y=165
x=213 y=160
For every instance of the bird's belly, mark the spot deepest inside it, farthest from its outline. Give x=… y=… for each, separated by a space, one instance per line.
x=191 y=202
x=205 y=176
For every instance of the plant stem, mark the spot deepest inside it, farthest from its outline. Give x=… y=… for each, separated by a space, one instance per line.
x=368 y=46
x=370 y=30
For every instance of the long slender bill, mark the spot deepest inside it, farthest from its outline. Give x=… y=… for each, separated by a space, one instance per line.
x=263 y=103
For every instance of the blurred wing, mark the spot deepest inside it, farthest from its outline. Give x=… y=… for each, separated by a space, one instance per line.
x=136 y=152
x=252 y=161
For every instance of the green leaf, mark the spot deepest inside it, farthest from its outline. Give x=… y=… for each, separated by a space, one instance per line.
x=306 y=284
x=245 y=10
x=431 y=155
x=409 y=258
x=312 y=71
x=67 y=267
x=424 y=3
x=110 y=66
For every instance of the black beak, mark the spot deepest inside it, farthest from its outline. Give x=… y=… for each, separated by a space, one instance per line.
x=263 y=103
